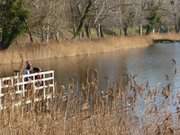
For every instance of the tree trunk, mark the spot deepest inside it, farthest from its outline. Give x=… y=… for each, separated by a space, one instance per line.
x=83 y=18
x=82 y=34
x=148 y=30
x=176 y=28
x=97 y=32
x=42 y=34
x=120 y=32
x=125 y=29
x=140 y=30
x=29 y=32
x=57 y=36
x=74 y=30
x=86 y=27
x=47 y=33
x=179 y=24
x=0 y=35
x=175 y=23
x=167 y=29
x=2 y=46
x=30 y=37
x=101 y=31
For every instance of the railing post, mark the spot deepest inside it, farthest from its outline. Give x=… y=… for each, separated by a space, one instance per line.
x=18 y=82
x=34 y=85
x=53 y=83
x=23 y=86
x=44 y=85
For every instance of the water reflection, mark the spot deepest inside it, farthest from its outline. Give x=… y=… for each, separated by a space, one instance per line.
x=152 y=64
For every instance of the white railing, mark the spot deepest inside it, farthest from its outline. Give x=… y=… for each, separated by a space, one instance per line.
x=28 y=88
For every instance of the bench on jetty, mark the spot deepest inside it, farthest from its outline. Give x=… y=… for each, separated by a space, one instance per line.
x=25 y=89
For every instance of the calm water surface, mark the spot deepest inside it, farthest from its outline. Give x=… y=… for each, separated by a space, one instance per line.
x=151 y=64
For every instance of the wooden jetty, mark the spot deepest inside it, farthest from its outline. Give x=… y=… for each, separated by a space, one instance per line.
x=25 y=89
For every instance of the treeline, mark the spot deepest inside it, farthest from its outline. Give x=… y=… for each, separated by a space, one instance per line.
x=55 y=19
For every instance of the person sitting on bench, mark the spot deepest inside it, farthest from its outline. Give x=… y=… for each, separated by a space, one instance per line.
x=28 y=68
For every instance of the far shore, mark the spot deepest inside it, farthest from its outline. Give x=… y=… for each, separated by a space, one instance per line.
x=69 y=48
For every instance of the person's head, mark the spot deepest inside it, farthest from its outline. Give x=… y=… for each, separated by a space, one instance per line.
x=27 y=62
x=28 y=65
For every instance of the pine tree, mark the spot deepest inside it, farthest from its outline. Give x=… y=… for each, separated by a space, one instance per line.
x=12 y=21
x=154 y=19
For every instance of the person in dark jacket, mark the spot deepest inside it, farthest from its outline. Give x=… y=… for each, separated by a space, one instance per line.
x=27 y=68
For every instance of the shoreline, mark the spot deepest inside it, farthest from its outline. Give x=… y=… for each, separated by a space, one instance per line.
x=62 y=49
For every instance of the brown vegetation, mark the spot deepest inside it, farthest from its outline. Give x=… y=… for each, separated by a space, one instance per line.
x=19 y=53
x=93 y=112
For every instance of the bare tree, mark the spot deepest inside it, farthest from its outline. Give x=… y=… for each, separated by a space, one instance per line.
x=55 y=19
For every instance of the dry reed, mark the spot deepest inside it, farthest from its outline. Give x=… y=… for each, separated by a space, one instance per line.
x=90 y=111
x=37 y=51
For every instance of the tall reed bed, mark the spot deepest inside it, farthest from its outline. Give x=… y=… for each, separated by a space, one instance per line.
x=126 y=108
x=21 y=51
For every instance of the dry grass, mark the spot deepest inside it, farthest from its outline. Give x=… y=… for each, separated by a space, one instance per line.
x=19 y=53
x=110 y=112
x=24 y=51
x=68 y=48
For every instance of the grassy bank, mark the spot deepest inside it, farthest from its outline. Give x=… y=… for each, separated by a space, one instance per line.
x=38 y=51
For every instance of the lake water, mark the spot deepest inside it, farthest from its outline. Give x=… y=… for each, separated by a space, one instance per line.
x=152 y=64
